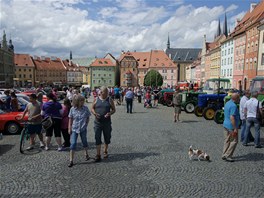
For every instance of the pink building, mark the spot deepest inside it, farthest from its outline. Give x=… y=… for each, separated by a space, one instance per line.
x=239 y=57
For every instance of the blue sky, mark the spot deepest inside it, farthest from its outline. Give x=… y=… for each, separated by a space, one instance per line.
x=91 y=28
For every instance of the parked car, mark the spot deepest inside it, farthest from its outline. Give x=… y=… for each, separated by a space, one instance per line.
x=9 y=123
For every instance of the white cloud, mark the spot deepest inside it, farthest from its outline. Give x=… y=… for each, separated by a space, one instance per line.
x=55 y=27
x=231 y=8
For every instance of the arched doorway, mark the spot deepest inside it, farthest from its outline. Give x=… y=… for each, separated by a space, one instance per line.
x=240 y=85
x=245 y=84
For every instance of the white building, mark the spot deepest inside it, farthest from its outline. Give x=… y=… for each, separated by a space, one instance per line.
x=227 y=59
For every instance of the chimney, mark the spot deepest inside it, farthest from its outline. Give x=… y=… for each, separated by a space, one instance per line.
x=252 y=6
x=43 y=58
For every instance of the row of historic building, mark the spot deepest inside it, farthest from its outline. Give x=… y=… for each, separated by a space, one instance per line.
x=236 y=55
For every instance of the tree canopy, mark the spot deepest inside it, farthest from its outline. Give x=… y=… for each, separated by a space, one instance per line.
x=153 y=78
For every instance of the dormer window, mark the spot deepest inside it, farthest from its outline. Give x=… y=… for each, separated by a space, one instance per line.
x=145 y=59
x=100 y=62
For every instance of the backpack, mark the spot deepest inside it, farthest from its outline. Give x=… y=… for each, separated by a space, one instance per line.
x=177 y=99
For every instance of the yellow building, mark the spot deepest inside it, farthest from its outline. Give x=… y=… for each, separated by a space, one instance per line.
x=24 y=71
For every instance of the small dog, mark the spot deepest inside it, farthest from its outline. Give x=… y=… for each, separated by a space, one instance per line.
x=199 y=153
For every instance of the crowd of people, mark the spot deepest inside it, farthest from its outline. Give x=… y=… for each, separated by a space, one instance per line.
x=249 y=108
x=10 y=102
x=70 y=119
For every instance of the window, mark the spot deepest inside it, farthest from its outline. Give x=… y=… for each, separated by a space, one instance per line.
x=231 y=60
x=25 y=70
x=99 y=75
x=110 y=81
x=172 y=77
x=104 y=74
x=24 y=75
x=231 y=72
x=30 y=76
x=228 y=51
x=99 y=81
x=19 y=70
x=262 y=58
x=19 y=75
x=110 y=74
x=93 y=75
x=172 y=71
x=94 y=81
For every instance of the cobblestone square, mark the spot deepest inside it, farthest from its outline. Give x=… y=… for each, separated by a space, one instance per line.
x=147 y=158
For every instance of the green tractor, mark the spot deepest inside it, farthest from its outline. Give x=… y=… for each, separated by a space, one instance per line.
x=190 y=100
x=219 y=114
x=257 y=85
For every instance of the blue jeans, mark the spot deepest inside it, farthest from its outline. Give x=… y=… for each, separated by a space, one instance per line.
x=243 y=132
x=250 y=122
x=74 y=137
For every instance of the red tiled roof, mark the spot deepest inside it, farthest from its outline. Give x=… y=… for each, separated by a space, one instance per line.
x=154 y=58
x=158 y=58
x=250 y=18
x=23 y=60
x=48 y=64
x=142 y=58
x=70 y=65
x=102 y=62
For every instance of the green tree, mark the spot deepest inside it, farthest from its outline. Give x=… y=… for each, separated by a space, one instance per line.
x=153 y=78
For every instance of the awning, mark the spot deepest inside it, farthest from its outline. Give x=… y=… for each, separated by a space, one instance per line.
x=15 y=78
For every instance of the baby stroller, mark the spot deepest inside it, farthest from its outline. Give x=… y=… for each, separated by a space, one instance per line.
x=147 y=103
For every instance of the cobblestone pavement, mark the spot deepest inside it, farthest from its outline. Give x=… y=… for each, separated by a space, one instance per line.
x=148 y=158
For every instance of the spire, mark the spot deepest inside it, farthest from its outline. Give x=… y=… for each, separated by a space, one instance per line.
x=225 y=31
x=218 y=33
x=70 y=55
x=168 y=43
x=4 y=42
x=11 y=46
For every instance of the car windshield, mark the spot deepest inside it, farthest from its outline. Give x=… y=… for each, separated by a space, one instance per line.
x=257 y=85
x=1 y=111
x=22 y=101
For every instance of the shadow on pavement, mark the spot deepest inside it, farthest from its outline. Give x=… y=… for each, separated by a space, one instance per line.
x=32 y=152
x=5 y=148
x=250 y=157
x=189 y=121
x=121 y=157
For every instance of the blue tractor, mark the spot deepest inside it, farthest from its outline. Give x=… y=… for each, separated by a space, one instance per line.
x=209 y=103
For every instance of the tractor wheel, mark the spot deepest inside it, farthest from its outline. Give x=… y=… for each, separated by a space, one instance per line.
x=189 y=107
x=209 y=113
x=219 y=116
x=162 y=101
x=198 y=111
x=169 y=103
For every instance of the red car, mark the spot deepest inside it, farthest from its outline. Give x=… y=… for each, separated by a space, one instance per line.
x=8 y=122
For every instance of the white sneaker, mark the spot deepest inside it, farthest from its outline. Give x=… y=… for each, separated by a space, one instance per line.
x=60 y=148
x=29 y=148
x=42 y=145
x=46 y=148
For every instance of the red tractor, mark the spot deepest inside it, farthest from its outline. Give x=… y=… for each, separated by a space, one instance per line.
x=168 y=99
